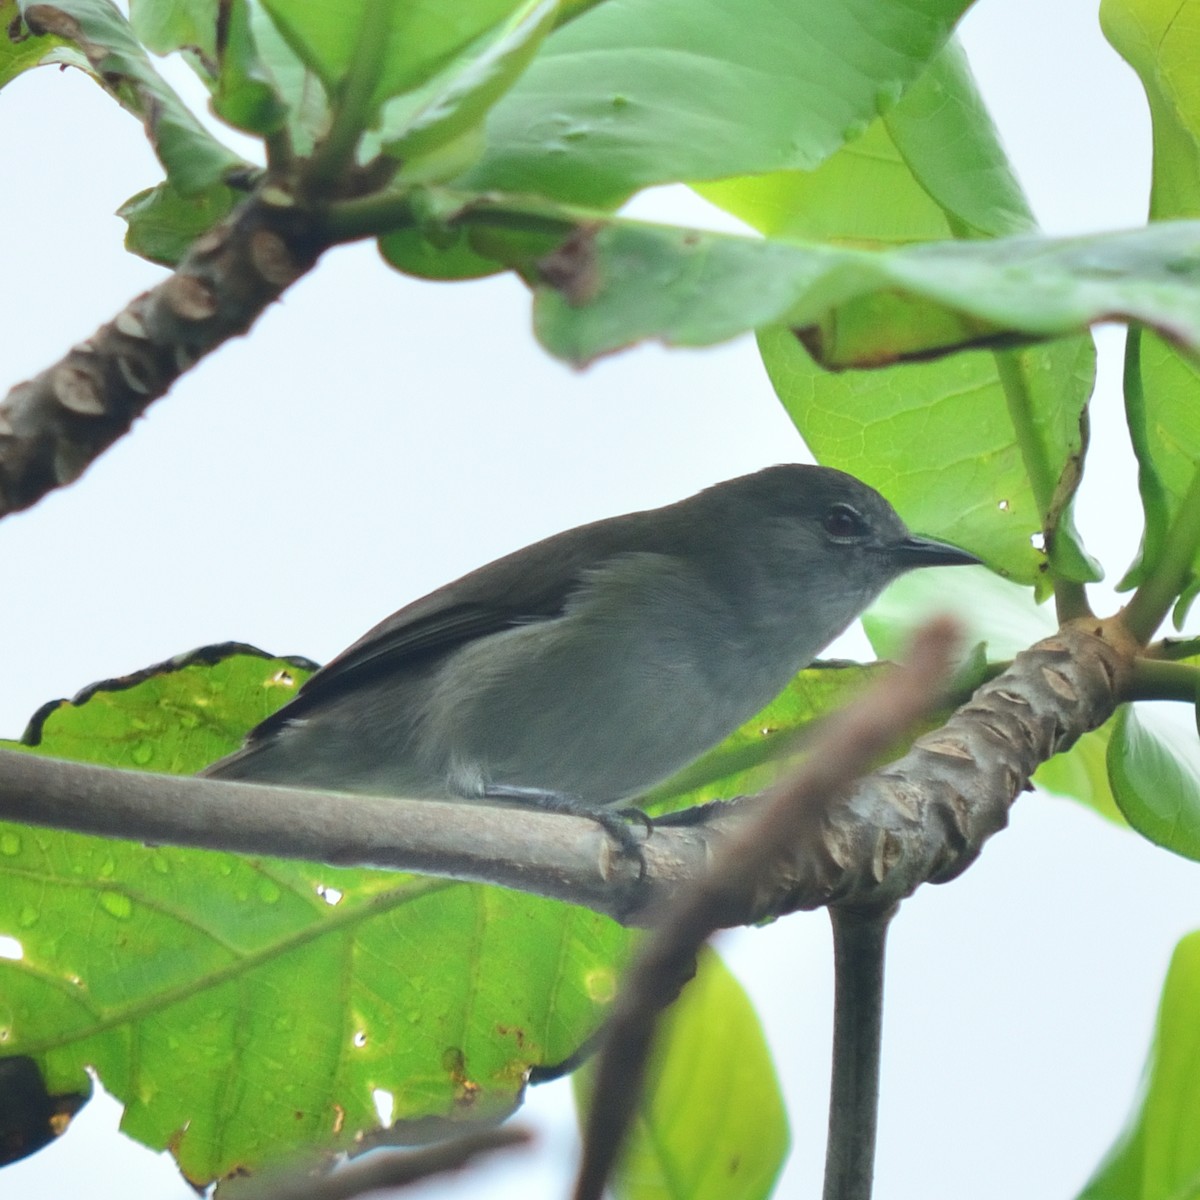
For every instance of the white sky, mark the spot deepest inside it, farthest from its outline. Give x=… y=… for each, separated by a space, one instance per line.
x=375 y=436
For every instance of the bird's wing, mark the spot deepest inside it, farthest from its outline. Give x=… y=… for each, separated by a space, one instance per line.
x=512 y=591
x=397 y=643
x=392 y=648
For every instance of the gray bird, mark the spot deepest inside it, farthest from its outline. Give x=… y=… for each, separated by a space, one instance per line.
x=580 y=671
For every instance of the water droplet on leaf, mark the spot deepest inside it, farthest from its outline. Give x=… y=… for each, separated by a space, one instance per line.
x=601 y=984
x=117 y=904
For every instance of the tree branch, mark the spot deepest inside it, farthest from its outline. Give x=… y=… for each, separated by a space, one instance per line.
x=55 y=425
x=923 y=818
x=859 y=944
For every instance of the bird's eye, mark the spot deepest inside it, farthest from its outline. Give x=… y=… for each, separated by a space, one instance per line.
x=844 y=522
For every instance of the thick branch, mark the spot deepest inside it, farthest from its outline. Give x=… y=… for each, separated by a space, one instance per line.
x=925 y=817
x=55 y=425
x=922 y=818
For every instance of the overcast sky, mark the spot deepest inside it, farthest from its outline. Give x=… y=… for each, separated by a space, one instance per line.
x=376 y=436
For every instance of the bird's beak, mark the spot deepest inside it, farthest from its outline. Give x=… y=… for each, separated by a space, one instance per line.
x=925 y=552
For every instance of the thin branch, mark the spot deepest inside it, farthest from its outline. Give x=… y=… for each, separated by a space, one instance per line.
x=850 y=741
x=55 y=425
x=859 y=943
x=376 y=1172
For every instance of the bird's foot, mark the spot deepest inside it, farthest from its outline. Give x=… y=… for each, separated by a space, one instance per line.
x=615 y=822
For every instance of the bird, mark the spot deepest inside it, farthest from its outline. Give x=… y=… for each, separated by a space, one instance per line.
x=580 y=671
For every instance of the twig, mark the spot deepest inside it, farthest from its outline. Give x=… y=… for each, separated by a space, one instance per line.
x=850 y=741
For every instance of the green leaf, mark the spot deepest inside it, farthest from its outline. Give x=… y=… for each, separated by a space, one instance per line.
x=246 y=92
x=639 y=92
x=617 y=282
x=174 y=717
x=163 y=224
x=194 y=160
x=1154 y=769
x=1157 y=1157
x=1162 y=389
x=936 y=156
x=21 y=50
x=932 y=168
x=710 y=1124
x=257 y=56
x=1158 y=39
x=173 y=973
x=166 y=25
x=421 y=36
x=416 y=252
x=456 y=100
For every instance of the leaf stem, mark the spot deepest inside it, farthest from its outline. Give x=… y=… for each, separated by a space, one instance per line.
x=388 y=211
x=355 y=103
x=1173 y=649
x=1156 y=679
x=1020 y=412
x=1168 y=574
x=370 y=216
x=1070 y=601
x=1070 y=597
